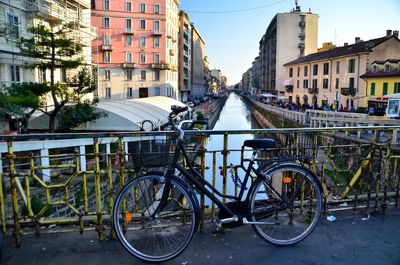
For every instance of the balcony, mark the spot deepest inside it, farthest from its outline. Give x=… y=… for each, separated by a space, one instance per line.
x=106 y=47
x=313 y=90
x=301 y=45
x=128 y=65
x=157 y=32
x=129 y=31
x=302 y=35
x=348 y=91
x=289 y=89
x=302 y=24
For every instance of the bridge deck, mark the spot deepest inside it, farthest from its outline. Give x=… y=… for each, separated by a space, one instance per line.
x=349 y=240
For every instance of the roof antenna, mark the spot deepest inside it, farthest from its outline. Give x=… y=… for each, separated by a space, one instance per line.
x=297 y=6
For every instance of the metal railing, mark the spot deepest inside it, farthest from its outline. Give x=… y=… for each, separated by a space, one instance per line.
x=63 y=179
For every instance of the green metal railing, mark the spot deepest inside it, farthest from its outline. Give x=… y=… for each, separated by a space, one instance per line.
x=64 y=179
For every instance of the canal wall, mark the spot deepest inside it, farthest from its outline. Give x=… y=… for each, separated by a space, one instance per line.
x=267 y=119
x=214 y=109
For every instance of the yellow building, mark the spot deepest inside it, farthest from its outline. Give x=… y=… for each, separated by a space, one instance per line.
x=383 y=79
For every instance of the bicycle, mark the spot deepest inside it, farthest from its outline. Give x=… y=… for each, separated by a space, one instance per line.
x=156 y=215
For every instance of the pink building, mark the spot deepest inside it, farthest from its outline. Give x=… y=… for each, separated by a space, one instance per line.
x=136 y=50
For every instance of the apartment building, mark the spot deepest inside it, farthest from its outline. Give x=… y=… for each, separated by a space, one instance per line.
x=199 y=69
x=289 y=36
x=334 y=76
x=17 y=16
x=136 y=51
x=185 y=57
x=382 y=79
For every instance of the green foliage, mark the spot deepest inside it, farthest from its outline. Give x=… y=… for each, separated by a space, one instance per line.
x=199 y=115
x=74 y=115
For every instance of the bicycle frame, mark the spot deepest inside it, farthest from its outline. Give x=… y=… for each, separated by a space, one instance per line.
x=195 y=178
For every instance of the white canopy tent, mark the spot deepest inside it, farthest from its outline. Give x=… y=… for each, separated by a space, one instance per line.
x=396 y=95
x=123 y=115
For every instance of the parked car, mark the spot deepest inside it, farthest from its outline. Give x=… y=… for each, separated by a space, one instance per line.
x=190 y=104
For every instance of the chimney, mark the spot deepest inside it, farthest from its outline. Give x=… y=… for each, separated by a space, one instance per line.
x=345 y=44
x=388 y=32
x=396 y=33
x=357 y=40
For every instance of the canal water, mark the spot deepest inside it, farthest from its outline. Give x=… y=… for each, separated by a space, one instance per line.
x=234 y=116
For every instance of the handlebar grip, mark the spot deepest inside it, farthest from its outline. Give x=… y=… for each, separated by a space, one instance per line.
x=176 y=110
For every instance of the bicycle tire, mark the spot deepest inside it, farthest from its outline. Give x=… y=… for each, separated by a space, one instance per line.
x=149 y=229
x=285 y=205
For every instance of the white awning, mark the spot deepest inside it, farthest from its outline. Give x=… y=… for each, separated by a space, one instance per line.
x=123 y=115
x=288 y=82
x=396 y=95
x=267 y=95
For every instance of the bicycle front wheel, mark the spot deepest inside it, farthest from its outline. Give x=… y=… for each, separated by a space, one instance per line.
x=154 y=218
x=285 y=204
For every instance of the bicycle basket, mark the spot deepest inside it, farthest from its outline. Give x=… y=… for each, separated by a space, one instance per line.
x=150 y=153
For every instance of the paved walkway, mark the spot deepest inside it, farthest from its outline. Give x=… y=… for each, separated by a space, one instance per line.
x=349 y=240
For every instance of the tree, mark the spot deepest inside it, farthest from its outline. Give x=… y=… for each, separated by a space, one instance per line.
x=50 y=50
x=22 y=100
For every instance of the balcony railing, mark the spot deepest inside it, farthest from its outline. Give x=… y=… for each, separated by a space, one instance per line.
x=301 y=44
x=107 y=47
x=161 y=66
x=348 y=91
x=313 y=90
x=76 y=175
x=129 y=31
x=129 y=65
x=157 y=32
x=302 y=24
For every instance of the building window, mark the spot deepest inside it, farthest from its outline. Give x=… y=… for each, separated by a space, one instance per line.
x=305 y=83
x=142 y=58
x=128 y=6
x=128 y=25
x=156 y=26
x=15 y=74
x=106 y=40
x=142 y=24
x=12 y=27
x=143 y=75
x=325 y=83
x=106 y=4
x=42 y=76
x=387 y=68
x=397 y=87
x=298 y=83
x=107 y=57
x=128 y=41
x=142 y=8
x=107 y=74
x=290 y=72
x=156 y=75
x=129 y=92
x=352 y=65
x=314 y=83
x=374 y=68
x=337 y=67
x=108 y=92
x=372 y=89
x=157 y=91
x=298 y=71
x=337 y=83
x=326 y=68
x=385 y=89
x=315 y=69
x=142 y=41
x=156 y=42
x=351 y=82
x=129 y=57
x=305 y=70
x=156 y=58
x=129 y=74
x=106 y=22
x=156 y=9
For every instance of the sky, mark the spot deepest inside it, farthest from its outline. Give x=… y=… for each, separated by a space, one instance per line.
x=232 y=29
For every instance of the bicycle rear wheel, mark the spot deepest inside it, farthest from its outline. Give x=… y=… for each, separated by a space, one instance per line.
x=154 y=218
x=286 y=205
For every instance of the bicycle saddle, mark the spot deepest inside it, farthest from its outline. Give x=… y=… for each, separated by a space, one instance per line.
x=260 y=143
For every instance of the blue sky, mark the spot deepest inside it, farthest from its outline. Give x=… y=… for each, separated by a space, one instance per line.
x=232 y=29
